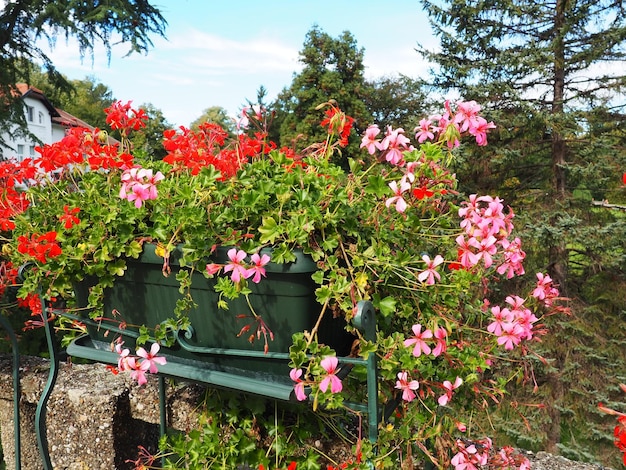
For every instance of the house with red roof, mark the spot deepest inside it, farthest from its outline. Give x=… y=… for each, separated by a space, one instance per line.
x=46 y=122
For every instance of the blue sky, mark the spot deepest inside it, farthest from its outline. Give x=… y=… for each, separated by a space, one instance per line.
x=218 y=53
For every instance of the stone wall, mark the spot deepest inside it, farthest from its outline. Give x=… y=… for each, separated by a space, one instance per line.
x=95 y=420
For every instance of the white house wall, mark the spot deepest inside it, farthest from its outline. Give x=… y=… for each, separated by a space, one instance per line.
x=39 y=124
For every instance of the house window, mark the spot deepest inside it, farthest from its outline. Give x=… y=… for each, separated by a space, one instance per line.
x=30 y=113
x=40 y=117
x=31 y=151
x=20 y=151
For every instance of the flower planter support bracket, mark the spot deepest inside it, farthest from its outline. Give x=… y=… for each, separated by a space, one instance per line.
x=264 y=384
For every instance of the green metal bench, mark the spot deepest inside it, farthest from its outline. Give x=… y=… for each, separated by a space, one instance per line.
x=274 y=386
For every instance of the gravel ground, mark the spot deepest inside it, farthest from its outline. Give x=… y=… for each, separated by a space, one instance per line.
x=545 y=461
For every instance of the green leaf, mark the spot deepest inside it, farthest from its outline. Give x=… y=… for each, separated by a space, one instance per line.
x=269 y=230
x=386 y=306
x=376 y=185
x=117 y=267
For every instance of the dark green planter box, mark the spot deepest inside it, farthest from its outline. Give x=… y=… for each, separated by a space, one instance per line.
x=285 y=299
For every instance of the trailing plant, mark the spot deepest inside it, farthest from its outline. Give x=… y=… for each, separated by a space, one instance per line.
x=393 y=230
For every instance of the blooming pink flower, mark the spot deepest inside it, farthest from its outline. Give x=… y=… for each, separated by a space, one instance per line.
x=394 y=142
x=487 y=249
x=511 y=335
x=466 y=114
x=469 y=207
x=407 y=386
x=544 y=290
x=137 y=370
x=369 y=141
x=467 y=256
x=151 y=358
x=440 y=335
x=513 y=258
x=501 y=317
x=463 y=461
x=298 y=388
x=417 y=340
x=330 y=364
x=257 y=270
x=449 y=387
x=469 y=456
x=139 y=185
x=123 y=356
x=398 y=199
x=479 y=130
x=424 y=131
x=239 y=271
x=430 y=273
x=243 y=122
x=526 y=320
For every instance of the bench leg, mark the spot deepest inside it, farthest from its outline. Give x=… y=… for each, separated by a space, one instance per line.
x=16 y=390
x=40 y=413
x=162 y=407
x=162 y=411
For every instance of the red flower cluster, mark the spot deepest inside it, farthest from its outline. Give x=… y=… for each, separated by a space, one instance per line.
x=69 y=218
x=194 y=150
x=39 y=247
x=620 y=436
x=80 y=144
x=123 y=117
x=12 y=201
x=8 y=276
x=338 y=123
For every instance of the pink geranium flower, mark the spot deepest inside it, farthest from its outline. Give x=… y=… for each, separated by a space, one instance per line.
x=330 y=364
x=440 y=335
x=501 y=317
x=467 y=248
x=395 y=142
x=151 y=358
x=417 y=341
x=449 y=387
x=398 y=192
x=298 y=387
x=137 y=370
x=235 y=267
x=511 y=335
x=257 y=270
x=139 y=185
x=424 y=131
x=407 y=386
x=430 y=274
x=123 y=354
x=369 y=141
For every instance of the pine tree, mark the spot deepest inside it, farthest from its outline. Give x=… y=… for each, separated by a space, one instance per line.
x=333 y=70
x=552 y=77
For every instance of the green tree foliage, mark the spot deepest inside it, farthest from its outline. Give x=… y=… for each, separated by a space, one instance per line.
x=397 y=101
x=333 y=69
x=24 y=23
x=551 y=74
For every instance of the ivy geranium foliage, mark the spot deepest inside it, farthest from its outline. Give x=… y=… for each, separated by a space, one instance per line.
x=393 y=229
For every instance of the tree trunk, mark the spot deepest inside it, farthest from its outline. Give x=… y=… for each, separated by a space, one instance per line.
x=558 y=251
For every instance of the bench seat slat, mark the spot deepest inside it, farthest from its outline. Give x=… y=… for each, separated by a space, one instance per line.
x=268 y=385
